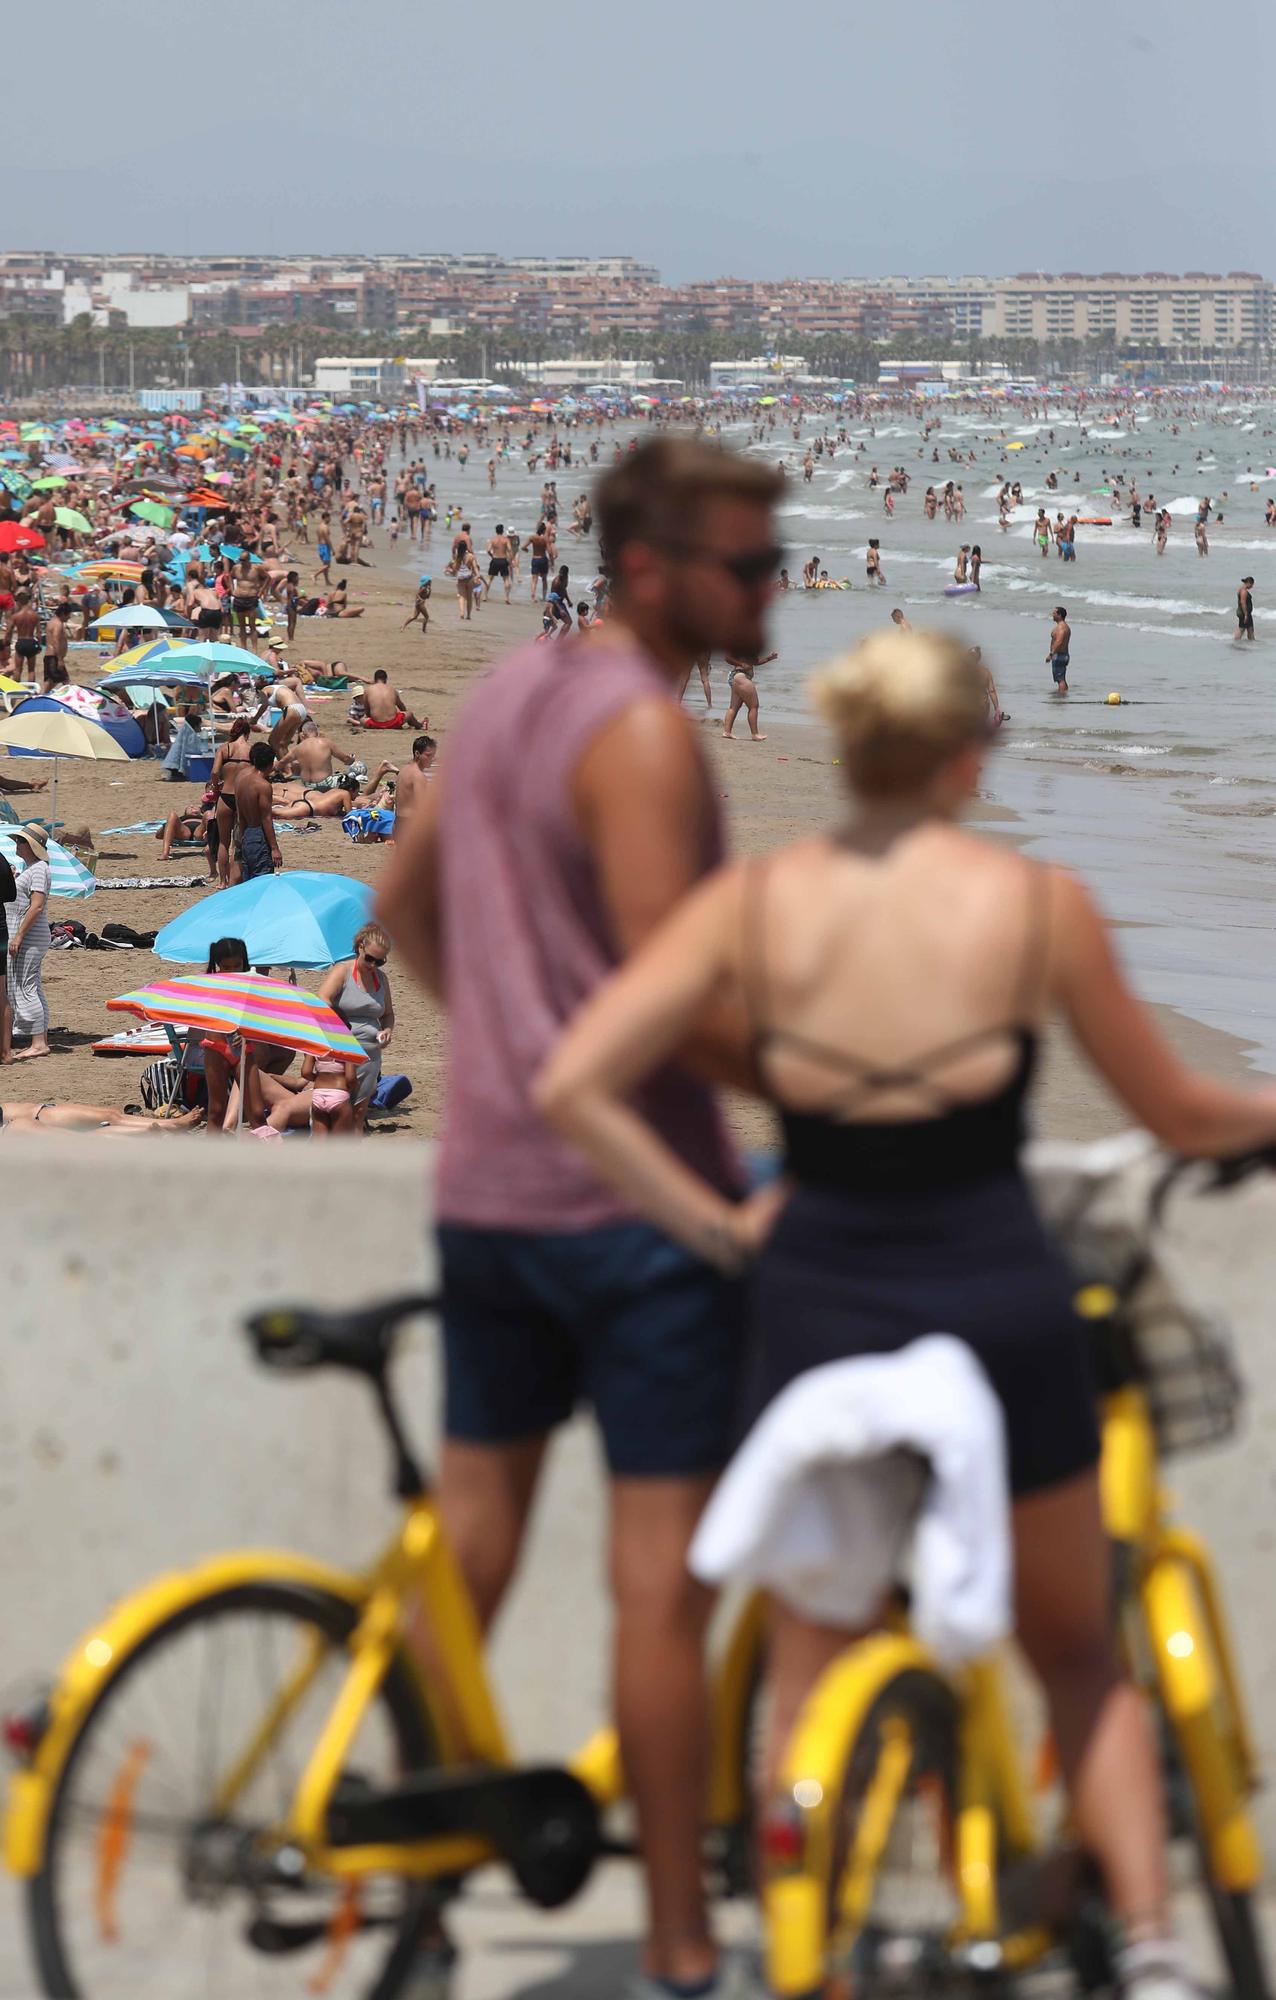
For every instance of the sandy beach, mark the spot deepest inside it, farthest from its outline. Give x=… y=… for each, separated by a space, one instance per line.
x=771 y=792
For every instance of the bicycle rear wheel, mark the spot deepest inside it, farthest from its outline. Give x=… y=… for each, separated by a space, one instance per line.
x=152 y=1884
x=1231 y=1911
x=892 y=1900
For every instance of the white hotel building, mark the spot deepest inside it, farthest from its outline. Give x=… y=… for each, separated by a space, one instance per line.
x=1201 y=311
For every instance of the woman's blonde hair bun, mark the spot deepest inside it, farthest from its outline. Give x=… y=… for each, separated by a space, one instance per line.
x=902 y=704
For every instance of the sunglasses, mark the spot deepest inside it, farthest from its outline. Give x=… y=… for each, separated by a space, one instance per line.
x=750 y=568
x=371 y=959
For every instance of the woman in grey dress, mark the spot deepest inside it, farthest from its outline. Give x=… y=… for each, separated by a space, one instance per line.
x=358 y=989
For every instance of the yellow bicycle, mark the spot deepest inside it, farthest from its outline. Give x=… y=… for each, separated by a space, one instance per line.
x=244 y=1774
x=902 y=1850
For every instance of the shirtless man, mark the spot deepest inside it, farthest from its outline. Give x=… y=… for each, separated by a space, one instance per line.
x=499 y=559
x=247 y=583
x=1060 y=653
x=414 y=778
x=899 y=621
x=57 y=631
x=23 y=632
x=538 y=543
x=256 y=849
x=386 y=707
x=314 y=756
x=201 y=602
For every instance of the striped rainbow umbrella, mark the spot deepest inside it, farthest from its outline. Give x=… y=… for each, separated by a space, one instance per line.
x=248 y=1005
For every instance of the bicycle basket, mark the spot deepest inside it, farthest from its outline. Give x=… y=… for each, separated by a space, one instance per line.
x=1188 y=1373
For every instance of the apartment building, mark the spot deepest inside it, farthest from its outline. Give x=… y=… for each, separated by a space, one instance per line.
x=558 y=301
x=1197 y=311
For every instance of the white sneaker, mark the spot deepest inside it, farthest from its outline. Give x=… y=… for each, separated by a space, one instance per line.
x=1155 y=1969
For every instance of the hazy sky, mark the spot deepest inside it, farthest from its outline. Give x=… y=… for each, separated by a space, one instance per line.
x=755 y=140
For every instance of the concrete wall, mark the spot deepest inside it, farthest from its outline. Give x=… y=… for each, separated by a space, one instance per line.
x=136 y=1433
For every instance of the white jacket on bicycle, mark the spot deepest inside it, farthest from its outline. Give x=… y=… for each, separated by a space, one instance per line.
x=819 y=1502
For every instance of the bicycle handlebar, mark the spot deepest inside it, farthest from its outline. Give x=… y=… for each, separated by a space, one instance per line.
x=1228 y=1172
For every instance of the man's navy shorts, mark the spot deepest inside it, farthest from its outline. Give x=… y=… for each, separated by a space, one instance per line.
x=618 y=1317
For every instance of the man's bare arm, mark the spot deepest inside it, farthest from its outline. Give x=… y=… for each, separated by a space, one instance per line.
x=642 y=803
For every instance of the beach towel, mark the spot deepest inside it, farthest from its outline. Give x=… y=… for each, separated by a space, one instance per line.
x=138 y=826
x=150 y=881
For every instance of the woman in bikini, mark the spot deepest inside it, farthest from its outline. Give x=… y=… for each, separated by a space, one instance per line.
x=52 y=1117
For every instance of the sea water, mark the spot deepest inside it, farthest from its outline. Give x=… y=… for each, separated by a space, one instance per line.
x=1166 y=804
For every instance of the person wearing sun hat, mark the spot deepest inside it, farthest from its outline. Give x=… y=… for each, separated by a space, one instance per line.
x=29 y=939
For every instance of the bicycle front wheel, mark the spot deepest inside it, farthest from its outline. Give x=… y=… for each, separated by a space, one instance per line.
x=162 y=1873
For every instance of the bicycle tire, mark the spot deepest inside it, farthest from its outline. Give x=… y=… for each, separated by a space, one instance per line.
x=333 y=1618
x=1235 y=1924
x=927 y=1708
x=1236 y=1928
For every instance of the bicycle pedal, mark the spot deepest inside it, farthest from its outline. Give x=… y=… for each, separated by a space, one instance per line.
x=351 y=1788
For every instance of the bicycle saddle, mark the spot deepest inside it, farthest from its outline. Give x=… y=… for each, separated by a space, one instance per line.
x=360 y=1338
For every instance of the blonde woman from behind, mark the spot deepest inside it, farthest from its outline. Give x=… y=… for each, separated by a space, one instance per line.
x=897 y=974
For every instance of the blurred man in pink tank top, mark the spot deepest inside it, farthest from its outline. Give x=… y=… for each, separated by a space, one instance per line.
x=572 y=810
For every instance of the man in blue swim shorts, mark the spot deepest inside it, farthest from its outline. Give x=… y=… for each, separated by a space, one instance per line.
x=1060 y=649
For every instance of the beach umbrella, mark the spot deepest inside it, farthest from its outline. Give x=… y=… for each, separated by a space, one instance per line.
x=144 y=652
x=143 y=695
x=224 y=658
x=16 y=535
x=61 y=734
x=152 y=511
x=164 y=671
x=246 y=1004
x=70 y=517
x=49 y=481
x=301 y=919
x=142 y=617
x=67 y=876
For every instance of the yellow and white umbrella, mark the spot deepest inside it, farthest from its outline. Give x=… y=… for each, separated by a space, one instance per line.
x=63 y=734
